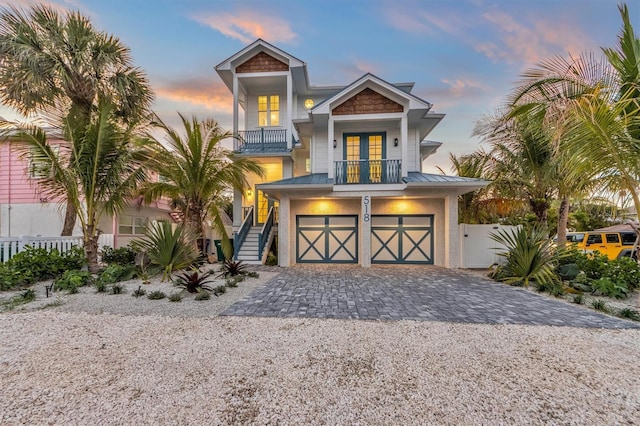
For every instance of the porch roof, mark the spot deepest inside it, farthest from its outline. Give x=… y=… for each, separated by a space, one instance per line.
x=321 y=181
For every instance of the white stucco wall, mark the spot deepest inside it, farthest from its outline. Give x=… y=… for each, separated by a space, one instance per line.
x=43 y=219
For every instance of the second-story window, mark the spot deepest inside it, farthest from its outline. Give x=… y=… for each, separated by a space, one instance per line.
x=268 y=110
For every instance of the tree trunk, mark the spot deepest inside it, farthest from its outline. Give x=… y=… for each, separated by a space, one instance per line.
x=563 y=220
x=70 y=215
x=91 y=249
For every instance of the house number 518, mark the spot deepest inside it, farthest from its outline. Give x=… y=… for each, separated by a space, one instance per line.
x=366 y=201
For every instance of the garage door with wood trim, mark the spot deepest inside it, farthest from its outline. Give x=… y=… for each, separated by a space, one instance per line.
x=402 y=239
x=327 y=239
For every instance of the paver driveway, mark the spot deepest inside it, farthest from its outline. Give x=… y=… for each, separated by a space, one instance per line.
x=428 y=293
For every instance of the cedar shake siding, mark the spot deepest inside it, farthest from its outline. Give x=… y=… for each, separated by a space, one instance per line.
x=262 y=62
x=367 y=102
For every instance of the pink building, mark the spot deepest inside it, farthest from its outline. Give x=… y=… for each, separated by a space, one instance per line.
x=26 y=211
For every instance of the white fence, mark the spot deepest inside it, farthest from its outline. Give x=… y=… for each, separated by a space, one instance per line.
x=477 y=249
x=9 y=247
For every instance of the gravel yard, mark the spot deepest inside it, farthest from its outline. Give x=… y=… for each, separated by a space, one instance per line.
x=115 y=359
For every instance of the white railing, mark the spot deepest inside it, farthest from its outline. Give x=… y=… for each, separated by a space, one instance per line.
x=9 y=247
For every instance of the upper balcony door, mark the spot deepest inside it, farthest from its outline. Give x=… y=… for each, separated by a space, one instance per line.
x=364 y=154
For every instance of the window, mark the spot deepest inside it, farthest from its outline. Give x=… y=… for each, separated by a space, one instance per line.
x=41 y=168
x=594 y=239
x=268 y=110
x=129 y=225
x=613 y=239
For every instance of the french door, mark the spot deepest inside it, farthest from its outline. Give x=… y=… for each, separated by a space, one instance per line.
x=364 y=153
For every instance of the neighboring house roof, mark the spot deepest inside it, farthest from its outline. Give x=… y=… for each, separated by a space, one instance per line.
x=622 y=227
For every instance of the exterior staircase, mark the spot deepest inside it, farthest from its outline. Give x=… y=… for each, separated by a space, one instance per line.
x=249 y=250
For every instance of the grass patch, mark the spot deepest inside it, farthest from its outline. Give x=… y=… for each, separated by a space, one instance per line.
x=202 y=296
x=156 y=295
x=175 y=297
x=599 y=305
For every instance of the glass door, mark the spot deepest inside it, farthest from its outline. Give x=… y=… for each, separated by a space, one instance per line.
x=364 y=154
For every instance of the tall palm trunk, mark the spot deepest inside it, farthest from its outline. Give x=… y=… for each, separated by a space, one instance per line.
x=563 y=220
x=91 y=248
x=70 y=215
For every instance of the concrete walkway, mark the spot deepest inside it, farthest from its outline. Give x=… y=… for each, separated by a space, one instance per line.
x=424 y=293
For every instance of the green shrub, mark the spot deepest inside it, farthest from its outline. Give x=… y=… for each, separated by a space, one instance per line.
x=624 y=271
x=570 y=255
x=100 y=287
x=582 y=283
x=156 y=295
x=116 y=273
x=221 y=289
x=607 y=287
x=139 y=292
x=594 y=266
x=28 y=295
x=529 y=257
x=272 y=259
x=629 y=313
x=568 y=271
x=38 y=264
x=175 y=297
x=117 y=289
x=599 y=305
x=168 y=250
x=25 y=297
x=122 y=256
x=203 y=296
x=578 y=299
x=71 y=280
x=253 y=274
x=231 y=282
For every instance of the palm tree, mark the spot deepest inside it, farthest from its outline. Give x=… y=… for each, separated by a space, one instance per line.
x=572 y=95
x=471 y=208
x=51 y=61
x=197 y=172
x=98 y=167
x=522 y=166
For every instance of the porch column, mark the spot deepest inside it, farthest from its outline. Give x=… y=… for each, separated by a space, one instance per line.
x=237 y=209
x=451 y=238
x=285 y=243
x=289 y=111
x=365 y=227
x=330 y=148
x=235 y=110
x=404 y=134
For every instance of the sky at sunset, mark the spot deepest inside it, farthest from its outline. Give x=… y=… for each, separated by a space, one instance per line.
x=463 y=55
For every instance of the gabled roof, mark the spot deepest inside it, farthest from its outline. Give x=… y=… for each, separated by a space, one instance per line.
x=225 y=68
x=381 y=86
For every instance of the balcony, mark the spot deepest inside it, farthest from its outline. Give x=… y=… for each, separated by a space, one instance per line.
x=263 y=141
x=367 y=172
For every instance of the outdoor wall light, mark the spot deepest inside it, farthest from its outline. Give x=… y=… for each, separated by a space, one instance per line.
x=249 y=193
x=335 y=143
x=395 y=142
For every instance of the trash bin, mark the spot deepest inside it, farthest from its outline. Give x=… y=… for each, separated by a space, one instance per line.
x=219 y=251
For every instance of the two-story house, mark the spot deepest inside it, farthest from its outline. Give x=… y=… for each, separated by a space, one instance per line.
x=343 y=167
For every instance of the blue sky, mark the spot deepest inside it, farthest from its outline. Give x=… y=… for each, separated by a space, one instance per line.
x=463 y=55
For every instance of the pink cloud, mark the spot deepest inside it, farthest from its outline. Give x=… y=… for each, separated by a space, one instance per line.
x=247 y=26
x=421 y=22
x=530 y=43
x=199 y=92
x=463 y=87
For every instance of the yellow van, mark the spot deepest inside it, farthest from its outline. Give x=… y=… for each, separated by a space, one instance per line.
x=611 y=244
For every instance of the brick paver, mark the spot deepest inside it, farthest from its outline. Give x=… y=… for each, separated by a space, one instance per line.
x=428 y=293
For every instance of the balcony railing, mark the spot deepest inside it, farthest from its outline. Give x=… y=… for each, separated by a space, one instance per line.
x=367 y=171
x=262 y=141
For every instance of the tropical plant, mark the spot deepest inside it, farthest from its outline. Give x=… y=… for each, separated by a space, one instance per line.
x=139 y=292
x=73 y=279
x=175 y=297
x=38 y=264
x=120 y=256
x=197 y=172
x=57 y=61
x=115 y=273
x=523 y=165
x=168 y=249
x=232 y=268
x=529 y=257
x=156 y=295
x=99 y=166
x=194 y=281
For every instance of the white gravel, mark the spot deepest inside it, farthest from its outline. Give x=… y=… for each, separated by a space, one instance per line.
x=90 y=368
